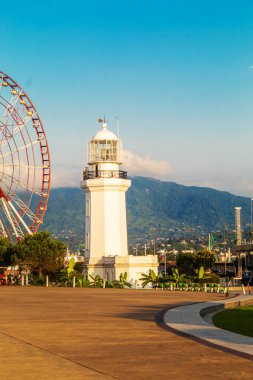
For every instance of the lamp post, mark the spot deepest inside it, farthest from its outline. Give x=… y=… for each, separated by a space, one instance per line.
x=165 y=262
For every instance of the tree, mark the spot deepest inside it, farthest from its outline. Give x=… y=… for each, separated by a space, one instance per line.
x=204 y=259
x=40 y=253
x=186 y=263
x=190 y=262
x=6 y=251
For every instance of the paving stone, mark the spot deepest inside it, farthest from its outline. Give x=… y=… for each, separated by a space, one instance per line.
x=65 y=333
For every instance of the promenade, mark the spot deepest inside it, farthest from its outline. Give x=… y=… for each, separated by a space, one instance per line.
x=65 y=333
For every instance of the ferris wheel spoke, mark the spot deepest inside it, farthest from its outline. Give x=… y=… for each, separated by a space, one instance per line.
x=20 y=183
x=22 y=166
x=10 y=217
x=5 y=135
x=23 y=206
x=13 y=216
x=20 y=218
x=4 y=233
x=11 y=112
x=20 y=148
x=15 y=131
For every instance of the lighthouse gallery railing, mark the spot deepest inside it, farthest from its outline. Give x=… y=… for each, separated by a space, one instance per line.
x=88 y=174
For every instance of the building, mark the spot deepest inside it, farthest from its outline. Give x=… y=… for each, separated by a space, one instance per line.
x=105 y=186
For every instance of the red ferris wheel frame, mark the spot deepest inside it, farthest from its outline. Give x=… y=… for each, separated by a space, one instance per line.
x=24 y=185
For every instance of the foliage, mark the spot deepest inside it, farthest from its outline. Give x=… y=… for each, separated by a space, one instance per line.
x=199 y=273
x=189 y=263
x=176 y=277
x=205 y=259
x=6 y=251
x=97 y=281
x=79 y=267
x=122 y=282
x=82 y=281
x=65 y=276
x=39 y=253
x=151 y=277
x=210 y=278
x=185 y=262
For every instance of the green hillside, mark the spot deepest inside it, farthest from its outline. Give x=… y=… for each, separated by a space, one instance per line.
x=150 y=203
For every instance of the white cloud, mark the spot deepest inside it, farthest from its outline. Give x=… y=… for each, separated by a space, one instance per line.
x=71 y=175
x=146 y=166
x=66 y=176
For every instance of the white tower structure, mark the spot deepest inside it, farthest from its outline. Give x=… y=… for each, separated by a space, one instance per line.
x=105 y=186
x=238 y=226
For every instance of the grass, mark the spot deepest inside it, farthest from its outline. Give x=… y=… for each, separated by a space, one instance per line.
x=239 y=320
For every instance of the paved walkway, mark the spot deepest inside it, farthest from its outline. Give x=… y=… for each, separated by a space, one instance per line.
x=189 y=320
x=65 y=333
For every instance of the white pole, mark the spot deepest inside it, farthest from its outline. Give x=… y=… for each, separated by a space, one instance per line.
x=9 y=217
x=19 y=217
x=74 y=281
x=47 y=281
x=26 y=279
x=117 y=122
x=22 y=280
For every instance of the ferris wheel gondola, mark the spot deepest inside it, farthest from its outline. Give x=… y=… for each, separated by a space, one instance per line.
x=25 y=172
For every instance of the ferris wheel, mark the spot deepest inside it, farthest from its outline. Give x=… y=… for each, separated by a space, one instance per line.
x=24 y=163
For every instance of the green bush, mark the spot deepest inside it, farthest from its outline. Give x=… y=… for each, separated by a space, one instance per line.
x=210 y=278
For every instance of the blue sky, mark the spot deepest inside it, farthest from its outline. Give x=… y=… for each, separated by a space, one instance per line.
x=177 y=73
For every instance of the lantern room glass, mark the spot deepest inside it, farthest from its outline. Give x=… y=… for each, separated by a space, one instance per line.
x=104 y=151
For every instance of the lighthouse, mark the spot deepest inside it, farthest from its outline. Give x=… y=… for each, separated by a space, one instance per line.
x=105 y=186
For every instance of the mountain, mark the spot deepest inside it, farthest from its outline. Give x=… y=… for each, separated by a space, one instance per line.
x=151 y=203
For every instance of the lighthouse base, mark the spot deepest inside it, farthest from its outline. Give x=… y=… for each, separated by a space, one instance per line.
x=110 y=268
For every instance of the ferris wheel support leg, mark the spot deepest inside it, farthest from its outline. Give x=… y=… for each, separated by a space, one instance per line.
x=3 y=229
x=19 y=217
x=9 y=218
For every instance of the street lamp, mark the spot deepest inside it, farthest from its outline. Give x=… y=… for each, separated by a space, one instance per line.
x=165 y=263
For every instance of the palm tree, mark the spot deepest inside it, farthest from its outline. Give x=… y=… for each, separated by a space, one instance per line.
x=151 y=277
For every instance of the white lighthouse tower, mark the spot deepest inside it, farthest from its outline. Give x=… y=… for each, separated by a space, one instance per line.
x=105 y=186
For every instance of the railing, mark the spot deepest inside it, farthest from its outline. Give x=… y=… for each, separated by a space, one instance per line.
x=87 y=174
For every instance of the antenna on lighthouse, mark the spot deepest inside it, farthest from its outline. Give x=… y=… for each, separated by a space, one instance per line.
x=117 y=123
